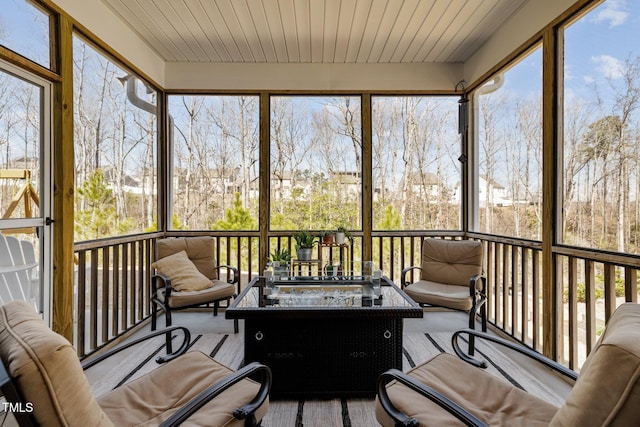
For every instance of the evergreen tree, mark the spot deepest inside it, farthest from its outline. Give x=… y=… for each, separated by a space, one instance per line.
x=98 y=218
x=236 y=218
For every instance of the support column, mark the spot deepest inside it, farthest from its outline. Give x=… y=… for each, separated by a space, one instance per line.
x=367 y=178
x=264 y=178
x=63 y=186
x=552 y=309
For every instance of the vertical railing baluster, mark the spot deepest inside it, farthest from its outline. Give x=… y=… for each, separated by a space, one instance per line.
x=81 y=303
x=630 y=284
x=514 y=290
x=124 y=318
x=524 y=274
x=506 y=287
x=590 y=303
x=238 y=253
x=249 y=261
x=498 y=285
x=392 y=258
x=535 y=283
x=140 y=281
x=490 y=280
x=93 y=298
x=115 y=298
x=147 y=277
x=105 y=295
x=572 y=290
x=133 y=283
x=609 y=290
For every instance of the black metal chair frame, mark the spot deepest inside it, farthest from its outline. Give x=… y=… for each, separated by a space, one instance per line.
x=245 y=412
x=478 y=300
x=233 y=278
x=452 y=407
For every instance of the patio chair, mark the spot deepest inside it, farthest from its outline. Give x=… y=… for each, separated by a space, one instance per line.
x=446 y=390
x=451 y=276
x=16 y=281
x=44 y=383
x=187 y=276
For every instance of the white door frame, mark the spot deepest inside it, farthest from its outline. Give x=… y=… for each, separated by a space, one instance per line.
x=43 y=221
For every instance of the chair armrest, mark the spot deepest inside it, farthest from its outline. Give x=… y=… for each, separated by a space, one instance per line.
x=444 y=402
x=513 y=346
x=165 y=282
x=473 y=285
x=186 y=340
x=233 y=277
x=211 y=392
x=403 y=274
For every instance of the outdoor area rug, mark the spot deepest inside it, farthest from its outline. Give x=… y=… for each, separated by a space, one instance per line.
x=227 y=348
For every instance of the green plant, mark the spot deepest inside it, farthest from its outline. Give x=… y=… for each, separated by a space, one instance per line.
x=280 y=255
x=304 y=239
x=347 y=233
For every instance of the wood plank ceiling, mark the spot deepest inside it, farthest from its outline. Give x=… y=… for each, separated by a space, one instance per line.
x=315 y=31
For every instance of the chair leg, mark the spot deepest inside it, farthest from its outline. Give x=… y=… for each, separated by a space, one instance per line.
x=167 y=317
x=483 y=316
x=154 y=314
x=472 y=325
x=216 y=304
x=235 y=326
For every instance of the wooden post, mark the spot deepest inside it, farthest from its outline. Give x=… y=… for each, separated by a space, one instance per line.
x=551 y=129
x=264 y=177
x=367 y=178
x=63 y=187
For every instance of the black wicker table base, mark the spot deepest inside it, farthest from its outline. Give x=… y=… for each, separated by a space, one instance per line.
x=324 y=357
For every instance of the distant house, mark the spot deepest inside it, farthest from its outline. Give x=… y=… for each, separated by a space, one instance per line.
x=129 y=184
x=427 y=184
x=491 y=192
x=350 y=181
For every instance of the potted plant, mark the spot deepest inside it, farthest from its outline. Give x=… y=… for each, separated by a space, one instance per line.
x=279 y=260
x=304 y=244
x=326 y=237
x=341 y=234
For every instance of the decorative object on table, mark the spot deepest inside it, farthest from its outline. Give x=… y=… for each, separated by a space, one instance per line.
x=280 y=262
x=342 y=235
x=332 y=270
x=304 y=244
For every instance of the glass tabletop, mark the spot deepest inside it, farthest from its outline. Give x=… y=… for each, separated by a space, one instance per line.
x=321 y=293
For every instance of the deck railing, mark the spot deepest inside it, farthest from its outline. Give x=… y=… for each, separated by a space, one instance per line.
x=114 y=282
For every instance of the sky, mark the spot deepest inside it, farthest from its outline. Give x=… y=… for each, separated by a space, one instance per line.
x=24 y=29
x=596 y=45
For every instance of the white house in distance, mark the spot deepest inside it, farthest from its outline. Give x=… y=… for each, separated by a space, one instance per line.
x=489 y=191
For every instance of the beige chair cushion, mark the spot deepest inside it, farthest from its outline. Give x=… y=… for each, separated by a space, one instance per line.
x=451 y=262
x=150 y=399
x=183 y=273
x=607 y=391
x=218 y=290
x=46 y=369
x=452 y=296
x=489 y=398
x=200 y=251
